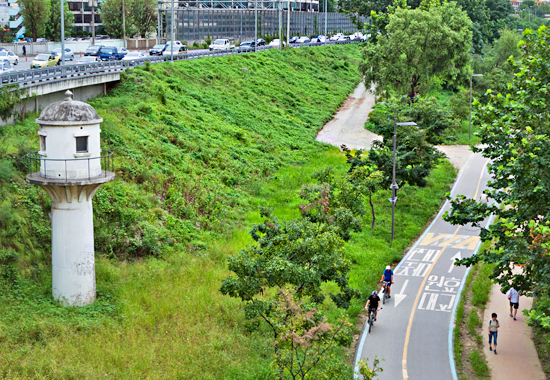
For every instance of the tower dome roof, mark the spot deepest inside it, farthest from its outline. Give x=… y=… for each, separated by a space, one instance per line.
x=69 y=112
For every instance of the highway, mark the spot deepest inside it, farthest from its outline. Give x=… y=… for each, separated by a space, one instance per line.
x=413 y=330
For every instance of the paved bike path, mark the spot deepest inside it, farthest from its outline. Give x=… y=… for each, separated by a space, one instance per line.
x=412 y=331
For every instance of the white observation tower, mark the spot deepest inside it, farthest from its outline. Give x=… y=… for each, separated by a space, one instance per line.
x=71 y=167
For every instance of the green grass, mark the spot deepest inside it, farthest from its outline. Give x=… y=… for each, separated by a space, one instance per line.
x=463 y=136
x=478 y=364
x=475 y=295
x=200 y=145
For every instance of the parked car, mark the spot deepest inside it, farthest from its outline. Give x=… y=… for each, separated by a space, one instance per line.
x=70 y=39
x=157 y=50
x=111 y=53
x=69 y=55
x=88 y=59
x=336 y=37
x=14 y=59
x=93 y=50
x=132 y=56
x=261 y=42
x=303 y=40
x=44 y=60
x=319 y=39
x=221 y=44
x=42 y=40
x=5 y=67
x=344 y=38
x=181 y=49
x=102 y=37
x=246 y=45
x=275 y=43
x=293 y=40
x=175 y=43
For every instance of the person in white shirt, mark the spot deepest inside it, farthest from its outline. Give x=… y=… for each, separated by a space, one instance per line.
x=513 y=297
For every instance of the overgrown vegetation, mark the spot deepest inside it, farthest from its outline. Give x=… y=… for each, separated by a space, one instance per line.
x=199 y=145
x=469 y=332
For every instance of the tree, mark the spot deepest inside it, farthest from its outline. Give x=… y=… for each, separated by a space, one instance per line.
x=420 y=44
x=515 y=137
x=35 y=13
x=143 y=13
x=526 y=4
x=111 y=18
x=53 y=23
x=356 y=8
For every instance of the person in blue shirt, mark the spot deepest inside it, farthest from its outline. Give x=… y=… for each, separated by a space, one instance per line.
x=387 y=278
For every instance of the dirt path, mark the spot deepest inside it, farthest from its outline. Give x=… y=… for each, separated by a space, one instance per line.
x=348 y=125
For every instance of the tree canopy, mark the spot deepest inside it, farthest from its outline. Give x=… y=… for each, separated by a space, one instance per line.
x=420 y=44
x=53 y=23
x=515 y=137
x=35 y=13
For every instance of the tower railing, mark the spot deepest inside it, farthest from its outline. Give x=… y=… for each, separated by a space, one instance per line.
x=37 y=163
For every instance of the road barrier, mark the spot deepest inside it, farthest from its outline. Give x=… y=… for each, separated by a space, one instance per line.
x=33 y=77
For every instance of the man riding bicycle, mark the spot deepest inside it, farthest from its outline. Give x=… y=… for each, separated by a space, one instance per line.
x=372 y=303
x=387 y=279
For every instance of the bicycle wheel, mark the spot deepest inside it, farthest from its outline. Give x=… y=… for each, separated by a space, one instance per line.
x=371 y=320
x=384 y=299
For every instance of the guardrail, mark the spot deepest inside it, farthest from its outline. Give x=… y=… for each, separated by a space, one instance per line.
x=33 y=76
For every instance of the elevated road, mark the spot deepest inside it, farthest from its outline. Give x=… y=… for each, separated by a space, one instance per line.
x=413 y=333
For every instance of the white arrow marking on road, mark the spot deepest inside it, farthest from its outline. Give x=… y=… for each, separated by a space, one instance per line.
x=400 y=297
x=457 y=256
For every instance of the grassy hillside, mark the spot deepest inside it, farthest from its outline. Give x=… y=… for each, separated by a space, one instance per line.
x=199 y=146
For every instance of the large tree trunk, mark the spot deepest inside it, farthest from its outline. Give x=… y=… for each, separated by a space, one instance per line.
x=414 y=84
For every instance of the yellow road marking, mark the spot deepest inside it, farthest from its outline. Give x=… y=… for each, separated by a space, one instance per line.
x=408 y=335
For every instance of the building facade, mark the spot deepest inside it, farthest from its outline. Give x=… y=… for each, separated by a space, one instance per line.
x=82 y=11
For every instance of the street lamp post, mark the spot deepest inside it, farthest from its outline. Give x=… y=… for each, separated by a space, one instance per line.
x=326 y=3
x=62 y=34
x=172 y=33
x=470 y=127
x=255 y=25
x=394 y=185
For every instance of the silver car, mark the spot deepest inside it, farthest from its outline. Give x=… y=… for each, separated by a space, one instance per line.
x=69 y=55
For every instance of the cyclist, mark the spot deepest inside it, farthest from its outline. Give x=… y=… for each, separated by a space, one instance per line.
x=387 y=279
x=372 y=303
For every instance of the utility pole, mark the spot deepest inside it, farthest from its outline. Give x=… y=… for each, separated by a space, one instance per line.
x=326 y=18
x=470 y=128
x=288 y=24
x=93 y=3
x=280 y=24
x=255 y=25
x=124 y=22
x=172 y=34
x=62 y=34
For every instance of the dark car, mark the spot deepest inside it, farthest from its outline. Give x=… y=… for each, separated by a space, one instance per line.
x=293 y=40
x=111 y=53
x=157 y=49
x=246 y=45
x=93 y=50
x=261 y=42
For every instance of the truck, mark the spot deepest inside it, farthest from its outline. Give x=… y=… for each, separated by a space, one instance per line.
x=222 y=44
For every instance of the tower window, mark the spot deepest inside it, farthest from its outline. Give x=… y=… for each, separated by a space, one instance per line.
x=43 y=143
x=82 y=144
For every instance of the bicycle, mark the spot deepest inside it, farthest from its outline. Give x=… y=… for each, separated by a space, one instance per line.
x=385 y=294
x=370 y=320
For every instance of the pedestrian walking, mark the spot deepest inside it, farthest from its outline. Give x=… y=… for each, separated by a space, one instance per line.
x=493 y=331
x=513 y=297
x=24 y=50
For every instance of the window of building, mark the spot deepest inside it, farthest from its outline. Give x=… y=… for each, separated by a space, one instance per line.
x=82 y=144
x=43 y=143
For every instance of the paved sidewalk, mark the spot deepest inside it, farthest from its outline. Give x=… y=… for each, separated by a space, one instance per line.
x=516 y=356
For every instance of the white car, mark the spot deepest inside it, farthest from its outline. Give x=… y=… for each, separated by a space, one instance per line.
x=275 y=43
x=5 y=67
x=319 y=39
x=69 y=55
x=336 y=37
x=352 y=37
x=14 y=59
x=88 y=59
x=133 y=56
x=344 y=38
x=175 y=43
x=221 y=44
x=303 y=40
